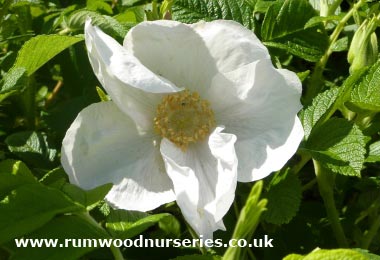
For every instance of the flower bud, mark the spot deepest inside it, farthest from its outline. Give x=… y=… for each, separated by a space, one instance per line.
x=364 y=48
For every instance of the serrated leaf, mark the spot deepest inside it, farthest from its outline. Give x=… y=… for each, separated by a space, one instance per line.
x=366 y=94
x=30 y=206
x=339 y=146
x=108 y=24
x=313 y=113
x=329 y=254
x=42 y=48
x=283 y=28
x=374 y=152
x=319 y=19
x=326 y=103
x=191 y=11
x=284 y=198
x=33 y=147
x=88 y=199
x=126 y=224
x=61 y=228
x=13 y=174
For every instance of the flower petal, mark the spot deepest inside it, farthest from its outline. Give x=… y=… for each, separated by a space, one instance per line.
x=129 y=83
x=261 y=110
x=204 y=179
x=230 y=44
x=191 y=55
x=173 y=50
x=102 y=145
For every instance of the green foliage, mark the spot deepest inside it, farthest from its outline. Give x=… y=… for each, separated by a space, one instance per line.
x=339 y=146
x=284 y=198
x=33 y=147
x=190 y=11
x=329 y=254
x=283 y=29
x=126 y=224
x=42 y=48
x=366 y=94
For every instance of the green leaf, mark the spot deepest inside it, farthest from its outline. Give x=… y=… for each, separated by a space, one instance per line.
x=248 y=220
x=284 y=198
x=33 y=147
x=339 y=146
x=42 y=48
x=191 y=11
x=13 y=174
x=126 y=224
x=198 y=257
x=313 y=113
x=283 y=28
x=63 y=228
x=374 y=152
x=326 y=103
x=108 y=24
x=89 y=199
x=329 y=254
x=366 y=94
x=30 y=206
x=15 y=79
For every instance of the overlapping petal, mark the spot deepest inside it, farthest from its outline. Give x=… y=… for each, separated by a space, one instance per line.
x=129 y=83
x=261 y=110
x=103 y=146
x=204 y=179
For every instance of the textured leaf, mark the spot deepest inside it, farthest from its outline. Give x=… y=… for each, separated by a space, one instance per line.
x=33 y=147
x=366 y=95
x=42 y=48
x=313 y=113
x=13 y=174
x=331 y=254
x=126 y=224
x=326 y=103
x=339 y=145
x=15 y=79
x=283 y=28
x=191 y=11
x=61 y=228
x=374 y=152
x=30 y=206
x=108 y=24
x=284 y=198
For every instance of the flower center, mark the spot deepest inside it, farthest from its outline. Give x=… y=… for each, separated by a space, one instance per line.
x=184 y=118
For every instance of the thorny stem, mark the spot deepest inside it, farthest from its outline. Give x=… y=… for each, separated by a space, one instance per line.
x=54 y=93
x=325 y=184
x=315 y=85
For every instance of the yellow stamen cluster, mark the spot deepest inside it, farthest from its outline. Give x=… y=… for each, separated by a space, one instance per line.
x=184 y=118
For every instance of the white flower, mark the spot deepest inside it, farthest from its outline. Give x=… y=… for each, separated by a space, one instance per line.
x=175 y=87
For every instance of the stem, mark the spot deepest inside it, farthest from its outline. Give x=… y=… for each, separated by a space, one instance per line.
x=114 y=250
x=309 y=185
x=305 y=157
x=334 y=6
x=368 y=237
x=316 y=82
x=325 y=184
x=30 y=103
x=195 y=236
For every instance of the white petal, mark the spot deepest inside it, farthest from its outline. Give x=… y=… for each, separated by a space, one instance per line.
x=204 y=179
x=230 y=44
x=103 y=146
x=129 y=83
x=173 y=50
x=261 y=110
